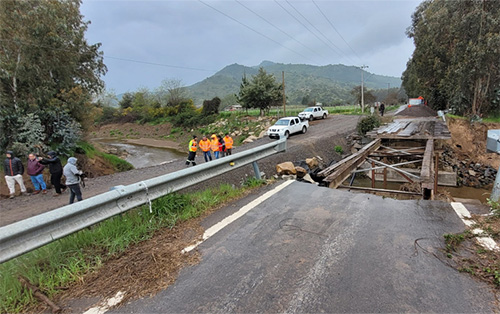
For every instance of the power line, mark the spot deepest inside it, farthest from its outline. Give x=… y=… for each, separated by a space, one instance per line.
x=335 y=29
x=106 y=56
x=276 y=27
x=306 y=27
x=254 y=30
x=321 y=33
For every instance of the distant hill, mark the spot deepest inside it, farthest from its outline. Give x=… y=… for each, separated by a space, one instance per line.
x=327 y=84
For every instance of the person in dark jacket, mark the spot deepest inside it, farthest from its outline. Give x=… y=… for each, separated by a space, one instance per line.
x=13 y=168
x=35 y=171
x=56 y=171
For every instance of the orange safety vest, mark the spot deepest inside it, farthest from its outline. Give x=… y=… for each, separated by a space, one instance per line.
x=215 y=145
x=229 y=142
x=205 y=145
x=192 y=145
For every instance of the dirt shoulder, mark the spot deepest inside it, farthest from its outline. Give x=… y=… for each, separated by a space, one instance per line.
x=320 y=140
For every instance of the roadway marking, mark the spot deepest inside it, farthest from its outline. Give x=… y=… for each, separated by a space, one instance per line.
x=242 y=211
x=465 y=215
x=104 y=306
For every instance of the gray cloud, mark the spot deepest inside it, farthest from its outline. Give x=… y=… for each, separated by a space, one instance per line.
x=190 y=34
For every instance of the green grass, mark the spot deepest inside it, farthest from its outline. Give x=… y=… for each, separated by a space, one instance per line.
x=117 y=163
x=67 y=260
x=492 y=119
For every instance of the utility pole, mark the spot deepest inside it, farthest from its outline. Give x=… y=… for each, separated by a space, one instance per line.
x=284 y=97
x=362 y=89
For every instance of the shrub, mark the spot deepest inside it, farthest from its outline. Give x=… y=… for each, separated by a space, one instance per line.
x=339 y=149
x=367 y=124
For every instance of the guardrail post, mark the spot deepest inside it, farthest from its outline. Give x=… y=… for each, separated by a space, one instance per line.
x=256 y=170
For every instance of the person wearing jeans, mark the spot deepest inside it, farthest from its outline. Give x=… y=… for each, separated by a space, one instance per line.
x=35 y=171
x=13 y=168
x=56 y=171
x=72 y=175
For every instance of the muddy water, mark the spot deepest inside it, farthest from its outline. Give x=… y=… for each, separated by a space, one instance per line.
x=144 y=156
x=461 y=192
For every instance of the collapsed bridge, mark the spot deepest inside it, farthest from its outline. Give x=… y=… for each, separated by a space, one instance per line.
x=404 y=142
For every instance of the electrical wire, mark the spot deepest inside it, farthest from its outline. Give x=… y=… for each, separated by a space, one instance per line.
x=279 y=29
x=335 y=29
x=256 y=31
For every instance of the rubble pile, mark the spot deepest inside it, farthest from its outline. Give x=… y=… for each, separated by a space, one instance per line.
x=469 y=172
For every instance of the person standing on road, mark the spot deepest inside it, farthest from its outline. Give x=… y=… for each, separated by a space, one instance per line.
x=35 y=171
x=13 y=169
x=205 y=147
x=56 y=171
x=228 y=141
x=382 y=109
x=214 y=144
x=222 y=146
x=192 y=151
x=72 y=175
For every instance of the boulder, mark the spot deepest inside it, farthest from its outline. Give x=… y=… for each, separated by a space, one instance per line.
x=312 y=162
x=262 y=134
x=250 y=139
x=301 y=172
x=286 y=168
x=472 y=172
x=289 y=177
x=308 y=178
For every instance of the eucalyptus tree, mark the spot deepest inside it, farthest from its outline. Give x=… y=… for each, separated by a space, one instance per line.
x=47 y=68
x=456 y=62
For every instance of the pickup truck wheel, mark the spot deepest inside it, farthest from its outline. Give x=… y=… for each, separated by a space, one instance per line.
x=324 y=115
x=304 y=130
x=311 y=117
x=287 y=134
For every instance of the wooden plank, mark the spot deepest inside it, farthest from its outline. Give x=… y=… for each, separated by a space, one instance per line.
x=376 y=190
x=344 y=170
x=427 y=172
x=327 y=171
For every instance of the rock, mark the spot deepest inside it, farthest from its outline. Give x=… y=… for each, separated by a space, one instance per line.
x=251 y=133
x=308 y=178
x=286 y=168
x=275 y=176
x=312 y=162
x=354 y=150
x=250 y=139
x=301 y=172
x=357 y=145
x=472 y=173
x=289 y=177
x=262 y=134
x=245 y=129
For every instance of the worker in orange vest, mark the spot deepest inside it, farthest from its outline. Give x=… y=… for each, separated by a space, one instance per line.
x=215 y=146
x=205 y=147
x=192 y=151
x=229 y=144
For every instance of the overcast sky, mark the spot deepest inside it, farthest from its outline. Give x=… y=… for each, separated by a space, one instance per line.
x=145 y=42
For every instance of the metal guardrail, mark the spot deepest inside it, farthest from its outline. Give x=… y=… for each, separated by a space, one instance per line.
x=26 y=235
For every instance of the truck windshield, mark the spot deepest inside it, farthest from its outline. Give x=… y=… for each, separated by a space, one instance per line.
x=282 y=122
x=308 y=109
x=416 y=101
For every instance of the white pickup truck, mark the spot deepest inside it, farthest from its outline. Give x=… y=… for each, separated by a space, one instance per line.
x=311 y=113
x=286 y=126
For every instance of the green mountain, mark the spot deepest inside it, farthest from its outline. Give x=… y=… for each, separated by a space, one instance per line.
x=329 y=84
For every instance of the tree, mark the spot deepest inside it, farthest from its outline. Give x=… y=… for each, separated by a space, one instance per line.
x=455 y=64
x=171 y=93
x=211 y=106
x=262 y=92
x=47 y=68
x=367 y=95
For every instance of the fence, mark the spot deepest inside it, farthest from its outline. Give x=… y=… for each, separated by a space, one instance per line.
x=26 y=235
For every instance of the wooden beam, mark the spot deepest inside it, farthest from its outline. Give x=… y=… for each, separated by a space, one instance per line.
x=404 y=174
x=343 y=170
x=376 y=190
x=365 y=151
x=426 y=174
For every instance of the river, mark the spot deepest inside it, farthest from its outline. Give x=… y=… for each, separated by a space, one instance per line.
x=141 y=156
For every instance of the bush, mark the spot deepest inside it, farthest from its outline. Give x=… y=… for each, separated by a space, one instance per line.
x=367 y=124
x=339 y=149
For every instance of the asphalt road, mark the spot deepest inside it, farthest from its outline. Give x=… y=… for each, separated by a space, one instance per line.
x=308 y=249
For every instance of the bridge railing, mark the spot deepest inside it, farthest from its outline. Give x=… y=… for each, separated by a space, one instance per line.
x=26 y=235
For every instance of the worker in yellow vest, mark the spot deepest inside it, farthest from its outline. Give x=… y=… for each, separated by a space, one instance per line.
x=228 y=140
x=205 y=147
x=214 y=144
x=192 y=151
